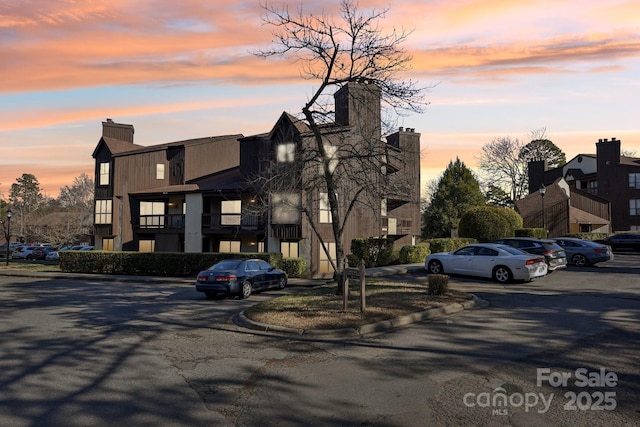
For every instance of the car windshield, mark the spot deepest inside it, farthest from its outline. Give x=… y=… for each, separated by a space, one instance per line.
x=225 y=265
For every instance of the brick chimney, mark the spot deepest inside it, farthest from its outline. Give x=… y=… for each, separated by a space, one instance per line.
x=120 y=131
x=608 y=157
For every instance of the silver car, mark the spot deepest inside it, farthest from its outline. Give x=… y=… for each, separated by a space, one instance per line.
x=584 y=252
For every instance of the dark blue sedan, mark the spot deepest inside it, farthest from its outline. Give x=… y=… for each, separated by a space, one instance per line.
x=584 y=252
x=239 y=277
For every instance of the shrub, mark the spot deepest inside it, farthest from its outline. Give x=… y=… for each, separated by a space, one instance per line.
x=448 y=244
x=538 y=233
x=484 y=223
x=295 y=267
x=413 y=254
x=588 y=236
x=374 y=251
x=438 y=284
x=514 y=218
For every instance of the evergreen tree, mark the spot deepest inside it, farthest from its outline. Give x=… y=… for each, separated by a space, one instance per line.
x=458 y=190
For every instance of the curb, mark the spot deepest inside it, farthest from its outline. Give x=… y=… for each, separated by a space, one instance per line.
x=243 y=321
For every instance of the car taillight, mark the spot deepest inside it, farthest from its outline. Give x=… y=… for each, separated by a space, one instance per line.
x=202 y=278
x=601 y=250
x=226 y=278
x=548 y=253
x=533 y=261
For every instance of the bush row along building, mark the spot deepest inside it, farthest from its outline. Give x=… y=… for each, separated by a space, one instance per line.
x=203 y=195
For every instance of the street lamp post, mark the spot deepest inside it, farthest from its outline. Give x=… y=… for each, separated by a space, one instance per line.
x=543 y=190
x=9 y=215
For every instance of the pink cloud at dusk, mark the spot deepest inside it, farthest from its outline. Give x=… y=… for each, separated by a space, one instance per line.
x=177 y=70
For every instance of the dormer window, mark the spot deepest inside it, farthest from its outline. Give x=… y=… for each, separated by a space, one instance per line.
x=286 y=152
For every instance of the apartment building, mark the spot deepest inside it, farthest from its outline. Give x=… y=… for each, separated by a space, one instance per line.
x=602 y=190
x=209 y=194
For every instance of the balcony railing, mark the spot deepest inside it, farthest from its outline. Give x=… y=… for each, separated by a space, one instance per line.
x=396 y=228
x=167 y=221
x=244 y=221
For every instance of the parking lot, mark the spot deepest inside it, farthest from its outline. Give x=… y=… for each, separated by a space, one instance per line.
x=92 y=352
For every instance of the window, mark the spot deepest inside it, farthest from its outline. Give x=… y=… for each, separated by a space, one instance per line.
x=482 y=251
x=289 y=249
x=332 y=155
x=146 y=245
x=286 y=208
x=634 y=207
x=104 y=173
x=325 y=210
x=107 y=244
x=263 y=265
x=466 y=251
x=634 y=180
x=325 y=265
x=103 y=212
x=151 y=214
x=286 y=152
x=383 y=207
x=229 y=246
x=231 y=212
x=159 y=171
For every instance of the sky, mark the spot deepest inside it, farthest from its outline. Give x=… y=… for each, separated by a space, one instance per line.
x=184 y=69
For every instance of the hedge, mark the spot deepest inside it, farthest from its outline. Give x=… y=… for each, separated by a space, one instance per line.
x=165 y=264
x=448 y=244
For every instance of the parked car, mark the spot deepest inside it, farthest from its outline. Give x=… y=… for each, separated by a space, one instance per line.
x=584 y=252
x=24 y=252
x=501 y=263
x=622 y=241
x=40 y=252
x=239 y=277
x=553 y=253
x=52 y=256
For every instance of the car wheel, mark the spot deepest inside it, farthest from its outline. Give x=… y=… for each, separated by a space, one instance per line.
x=502 y=274
x=282 y=282
x=579 y=260
x=435 y=267
x=246 y=290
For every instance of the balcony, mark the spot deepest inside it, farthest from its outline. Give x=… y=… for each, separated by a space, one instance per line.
x=396 y=226
x=162 y=222
x=217 y=222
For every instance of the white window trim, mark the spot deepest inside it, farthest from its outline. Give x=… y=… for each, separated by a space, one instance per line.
x=105 y=173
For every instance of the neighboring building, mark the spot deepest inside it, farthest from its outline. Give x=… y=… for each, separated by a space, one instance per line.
x=203 y=195
x=565 y=209
x=606 y=178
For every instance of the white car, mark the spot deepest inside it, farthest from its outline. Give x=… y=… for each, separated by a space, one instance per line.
x=501 y=263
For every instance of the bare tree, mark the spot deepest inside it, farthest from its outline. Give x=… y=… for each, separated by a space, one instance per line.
x=79 y=194
x=502 y=166
x=332 y=170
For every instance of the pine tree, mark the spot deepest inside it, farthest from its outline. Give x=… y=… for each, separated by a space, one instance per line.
x=458 y=190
